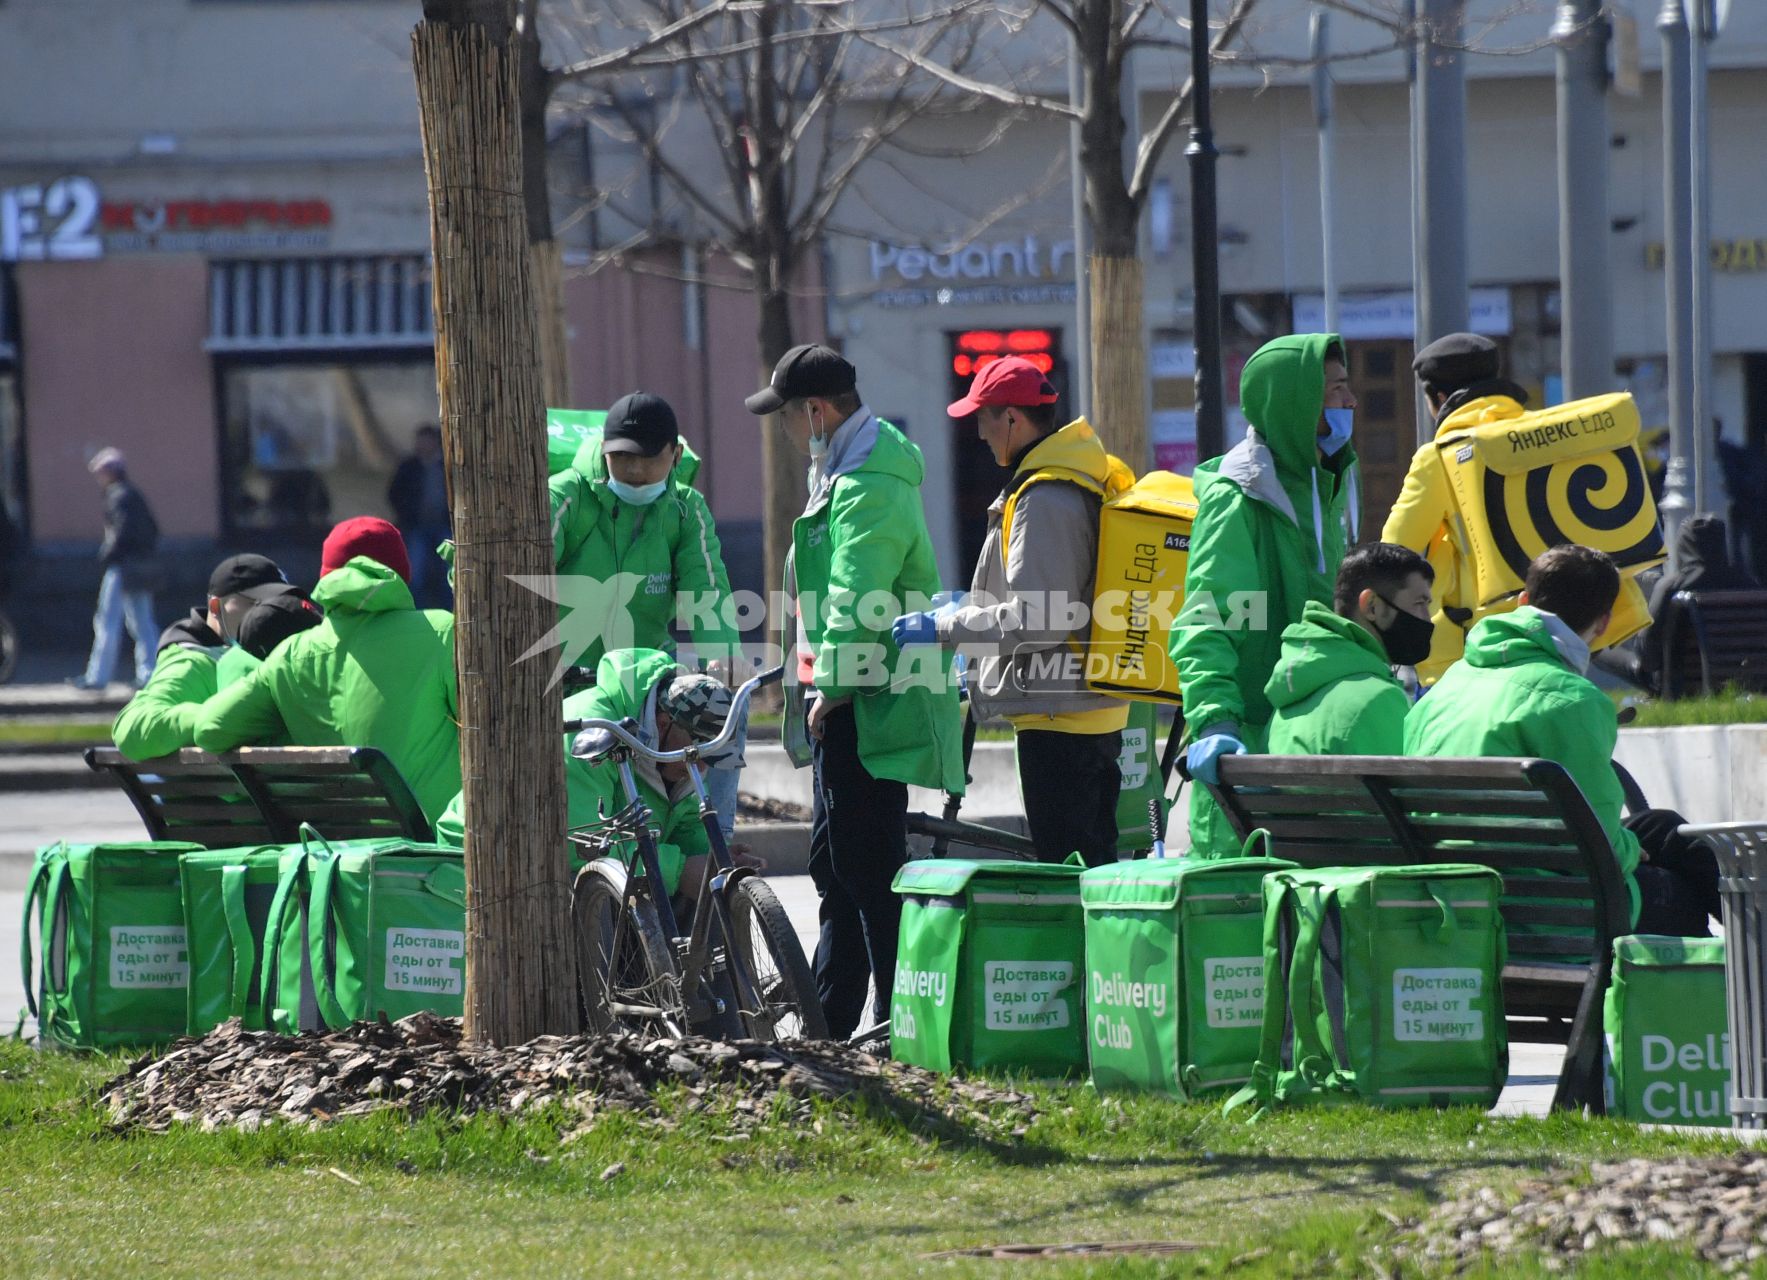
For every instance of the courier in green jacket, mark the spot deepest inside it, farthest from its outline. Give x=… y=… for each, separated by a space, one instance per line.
x=378 y=672
x=1521 y=690
x=1274 y=516
x=878 y=720
x=197 y=656
x=634 y=683
x=627 y=506
x=1333 y=688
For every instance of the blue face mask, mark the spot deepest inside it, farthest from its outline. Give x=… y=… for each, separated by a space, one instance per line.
x=1337 y=430
x=639 y=495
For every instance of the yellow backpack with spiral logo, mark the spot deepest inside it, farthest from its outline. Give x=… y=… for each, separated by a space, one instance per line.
x=1569 y=473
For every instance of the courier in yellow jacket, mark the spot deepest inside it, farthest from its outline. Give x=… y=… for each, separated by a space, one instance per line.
x=1475 y=515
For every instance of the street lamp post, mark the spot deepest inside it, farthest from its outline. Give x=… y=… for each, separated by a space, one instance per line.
x=1678 y=484
x=1211 y=416
x=1586 y=326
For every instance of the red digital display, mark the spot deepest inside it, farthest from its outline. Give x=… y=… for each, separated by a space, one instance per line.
x=979 y=348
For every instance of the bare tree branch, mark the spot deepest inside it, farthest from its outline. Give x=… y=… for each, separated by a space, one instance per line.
x=1026 y=102
x=627 y=57
x=1148 y=150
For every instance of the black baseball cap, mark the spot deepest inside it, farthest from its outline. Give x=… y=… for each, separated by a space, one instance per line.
x=808 y=370
x=238 y=574
x=277 y=616
x=639 y=423
x=1457 y=361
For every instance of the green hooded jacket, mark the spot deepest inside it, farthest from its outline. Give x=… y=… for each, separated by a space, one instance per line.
x=1271 y=527
x=192 y=664
x=623 y=681
x=664 y=558
x=1514 y=695
x=376 y=673
x=1333 y=691
x=860 y=543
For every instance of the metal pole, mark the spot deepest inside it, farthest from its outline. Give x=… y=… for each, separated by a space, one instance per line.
x=1408 y=10
x=1699 y=33
x=1211 y=415
x=1320 y=51
x=1678 y=484
x=1586 y=342
x=1440 y=107
x=1080 y=386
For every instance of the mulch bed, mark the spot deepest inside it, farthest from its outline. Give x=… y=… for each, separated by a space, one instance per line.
x=234 y=1078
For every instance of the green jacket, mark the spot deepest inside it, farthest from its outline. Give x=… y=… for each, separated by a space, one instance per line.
x=192 y=664
x=862 y=543
x=623 y=681
x=1270 y=532
x=1514 y=695
x=376 y=673
x=670 y=550
x=1333 y=691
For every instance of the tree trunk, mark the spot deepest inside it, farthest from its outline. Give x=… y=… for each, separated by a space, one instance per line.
x=1119 y=359
x=520 y=964
x=781 y=464
x=544 y=254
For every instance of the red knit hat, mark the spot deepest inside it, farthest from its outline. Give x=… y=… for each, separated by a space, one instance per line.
x=365 y=536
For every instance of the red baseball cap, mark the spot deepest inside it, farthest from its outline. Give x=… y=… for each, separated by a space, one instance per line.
x=365 y=536
x=1011 y=380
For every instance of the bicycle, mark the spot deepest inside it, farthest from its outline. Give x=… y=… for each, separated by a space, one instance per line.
x=739 y=970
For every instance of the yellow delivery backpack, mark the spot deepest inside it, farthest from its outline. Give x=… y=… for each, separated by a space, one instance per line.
x=1138 y=591
x=1569 y=473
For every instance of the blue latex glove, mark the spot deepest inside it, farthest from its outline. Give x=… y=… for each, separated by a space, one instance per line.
x=914 y=628
x=1203 y=759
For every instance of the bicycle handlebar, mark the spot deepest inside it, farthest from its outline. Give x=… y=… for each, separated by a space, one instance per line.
x=622 y=732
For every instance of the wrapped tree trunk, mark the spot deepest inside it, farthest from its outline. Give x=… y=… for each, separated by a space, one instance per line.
x=1119 y=359
x=546 y=262
x=545 y=257
x=783 y=467
x=520 y=966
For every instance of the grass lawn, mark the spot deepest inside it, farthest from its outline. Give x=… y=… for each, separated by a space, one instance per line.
x=856 y=1194
x=1730 y=707
x=37 y=733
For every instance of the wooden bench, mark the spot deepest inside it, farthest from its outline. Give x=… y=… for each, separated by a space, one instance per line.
x=1712 y=639
x=1520 y=817
x=262 y=795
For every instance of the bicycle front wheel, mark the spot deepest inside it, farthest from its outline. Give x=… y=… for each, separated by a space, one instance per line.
x=786 y=1006
x=626 y=977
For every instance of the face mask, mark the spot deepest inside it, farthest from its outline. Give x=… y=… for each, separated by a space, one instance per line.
x=1407 y=637
x=1337 y=430
x=818 y=442
x=639 y=495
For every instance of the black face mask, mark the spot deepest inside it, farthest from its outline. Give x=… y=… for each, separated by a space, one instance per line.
x=1407 y=637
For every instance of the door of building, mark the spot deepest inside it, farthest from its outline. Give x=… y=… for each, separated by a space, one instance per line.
x=1386 y=423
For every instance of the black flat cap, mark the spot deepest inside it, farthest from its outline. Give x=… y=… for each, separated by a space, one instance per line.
x=1457 y=361
x=237 y=574
x=277 y=616
x=808 y=370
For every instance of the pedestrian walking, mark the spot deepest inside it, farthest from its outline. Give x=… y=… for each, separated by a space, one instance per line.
x=132 y=573
x=418 y=495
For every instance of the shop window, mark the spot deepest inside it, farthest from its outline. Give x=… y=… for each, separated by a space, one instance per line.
x=311 y=443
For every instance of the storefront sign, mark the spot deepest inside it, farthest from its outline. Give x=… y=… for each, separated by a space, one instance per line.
x=1740 y=256
x=1393 y=314
x=989 y=295
x=65 y=220
x=1020 y=259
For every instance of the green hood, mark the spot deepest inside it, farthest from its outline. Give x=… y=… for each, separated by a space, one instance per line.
x=894 y=454
x=623 y=681
x=363 y=586
x=1510 y=639
x=1282 y=392
x=1320 y=649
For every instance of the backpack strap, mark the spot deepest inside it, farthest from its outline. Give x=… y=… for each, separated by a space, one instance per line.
x=1261 y=1088
x=39 y=886
x=1316 y=1067
x=325 y=960
x=239 y=937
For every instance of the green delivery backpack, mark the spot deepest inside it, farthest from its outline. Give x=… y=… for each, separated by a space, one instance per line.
x=110 y=938
x=227 y=898
x=1668 y=1031
x=1384 y=986
x=988 y=967
x=364 y=928
x=1175 y=972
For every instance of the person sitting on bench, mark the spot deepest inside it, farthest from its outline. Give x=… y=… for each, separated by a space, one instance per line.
x=197 y=657
x=1333 y=689
x=1702 y=563
x=377 y=672
x=1521 y=691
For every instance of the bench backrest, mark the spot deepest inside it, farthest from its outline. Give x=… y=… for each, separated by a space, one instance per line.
x=260 y=795
x=1712 y=639
x=1520 y=817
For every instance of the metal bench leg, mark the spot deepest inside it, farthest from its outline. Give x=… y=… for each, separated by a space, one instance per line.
x=1580 y=1083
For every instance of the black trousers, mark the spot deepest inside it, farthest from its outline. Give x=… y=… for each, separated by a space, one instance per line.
x=1677 y=878
x=858 y=841
x=1070 y=784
